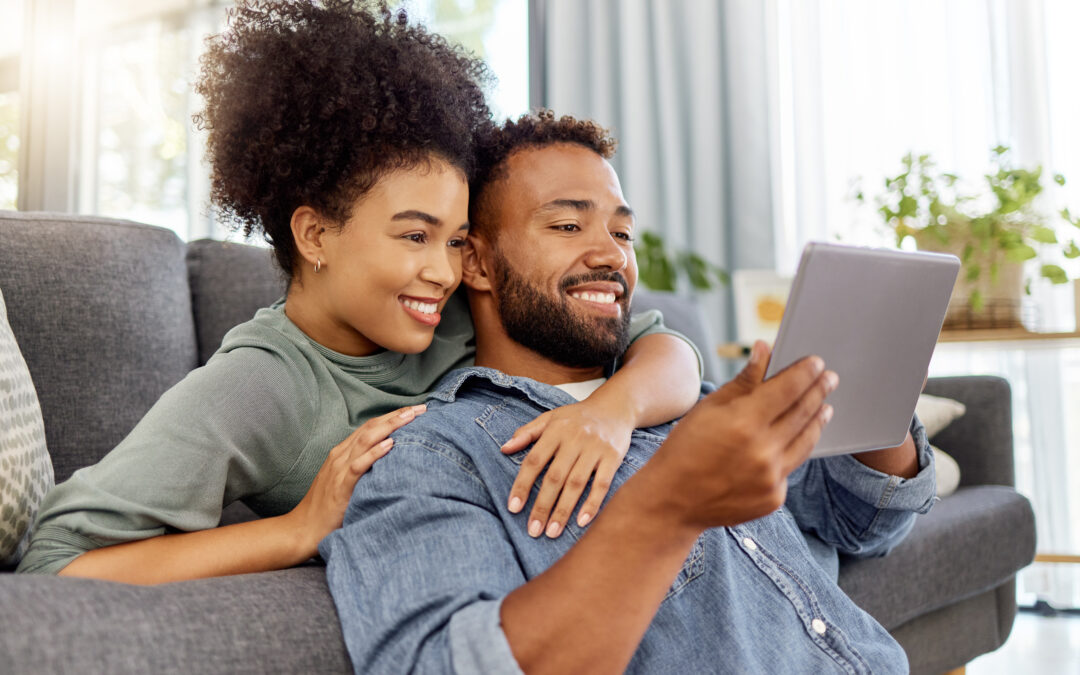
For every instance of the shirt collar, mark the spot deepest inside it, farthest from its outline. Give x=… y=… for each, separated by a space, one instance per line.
x=544 y=395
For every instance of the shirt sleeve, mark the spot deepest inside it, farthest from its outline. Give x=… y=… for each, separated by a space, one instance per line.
x=651 y=322
x=856 y=509
x=420 y=569
x=228 y=430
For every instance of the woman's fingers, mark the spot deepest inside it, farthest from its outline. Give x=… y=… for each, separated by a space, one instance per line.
x=531 y=467
x=554 y=482
x=526 y=434
x=572 y=490
x=377 y=428
x=605 y=474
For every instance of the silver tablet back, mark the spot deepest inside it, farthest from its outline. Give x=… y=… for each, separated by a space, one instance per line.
x=874 y=316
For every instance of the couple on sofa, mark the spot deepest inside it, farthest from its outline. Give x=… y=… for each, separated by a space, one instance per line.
x=361 y=148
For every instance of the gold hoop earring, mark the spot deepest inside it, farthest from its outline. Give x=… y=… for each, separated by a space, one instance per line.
x=318 y=265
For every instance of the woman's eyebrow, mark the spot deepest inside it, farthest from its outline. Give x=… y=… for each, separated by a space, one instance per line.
x=417 y=215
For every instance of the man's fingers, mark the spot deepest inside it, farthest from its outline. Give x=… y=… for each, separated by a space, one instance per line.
x=553 y=483
x=748 y=378
x=799 y=414
x=526 y=434
x=782 y=391
x=803 y=444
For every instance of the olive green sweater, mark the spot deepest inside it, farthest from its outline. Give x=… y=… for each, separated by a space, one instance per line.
x=254 y=424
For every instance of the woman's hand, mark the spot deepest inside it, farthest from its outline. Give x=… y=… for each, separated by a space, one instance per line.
x=579 y=442
x=322 y=509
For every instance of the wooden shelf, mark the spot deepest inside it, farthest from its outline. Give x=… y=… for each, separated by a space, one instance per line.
x=1003 y=335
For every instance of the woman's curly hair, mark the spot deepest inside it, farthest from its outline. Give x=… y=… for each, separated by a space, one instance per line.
x=311 y=103
x=533 y=130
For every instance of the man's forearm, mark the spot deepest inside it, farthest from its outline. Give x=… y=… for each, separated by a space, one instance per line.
x=903 y=460
x=658 y=381
x=585 y=614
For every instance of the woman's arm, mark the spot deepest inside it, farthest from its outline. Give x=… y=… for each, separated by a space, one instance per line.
x=659 y=381
x=258 y=545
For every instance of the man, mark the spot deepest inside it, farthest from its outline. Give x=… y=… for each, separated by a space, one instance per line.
x=696 y=562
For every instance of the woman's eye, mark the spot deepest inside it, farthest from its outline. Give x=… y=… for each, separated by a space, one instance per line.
x=418 y=237
x=456 y=243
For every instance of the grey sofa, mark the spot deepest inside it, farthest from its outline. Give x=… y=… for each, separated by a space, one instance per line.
x=110 y=313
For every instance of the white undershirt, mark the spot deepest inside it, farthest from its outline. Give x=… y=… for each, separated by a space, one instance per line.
x=582 y=390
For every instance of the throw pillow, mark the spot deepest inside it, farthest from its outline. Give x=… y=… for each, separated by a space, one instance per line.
x=936 y=413
x=26 y=472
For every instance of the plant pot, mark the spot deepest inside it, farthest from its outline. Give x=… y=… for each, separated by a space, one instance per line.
x=1002 y=296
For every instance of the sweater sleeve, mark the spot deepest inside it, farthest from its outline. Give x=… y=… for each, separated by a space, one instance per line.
x=229 y=430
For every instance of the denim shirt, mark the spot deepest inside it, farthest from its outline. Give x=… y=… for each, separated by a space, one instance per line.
x=429 y=550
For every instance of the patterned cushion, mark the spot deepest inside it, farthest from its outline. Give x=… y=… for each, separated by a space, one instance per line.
x=26 y=472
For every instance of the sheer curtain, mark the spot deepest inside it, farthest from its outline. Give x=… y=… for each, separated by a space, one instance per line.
x=856 y=85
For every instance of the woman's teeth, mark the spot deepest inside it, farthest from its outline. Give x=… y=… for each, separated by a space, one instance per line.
x=602 y=298
x=422 y=307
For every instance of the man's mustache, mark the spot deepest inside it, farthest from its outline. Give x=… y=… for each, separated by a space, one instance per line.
x=578 y=279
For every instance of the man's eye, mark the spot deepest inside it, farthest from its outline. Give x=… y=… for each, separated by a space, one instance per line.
x=625 y=236
x=418 y=237
x=566 y=227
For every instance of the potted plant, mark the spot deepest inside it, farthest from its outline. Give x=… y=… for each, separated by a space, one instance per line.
x=994 y=232
x=662 y=270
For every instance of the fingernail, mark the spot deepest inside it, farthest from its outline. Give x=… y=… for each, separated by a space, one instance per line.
x=753 y=353
x=507 y=443
x=817 y=364
x=832 y=379
x=827 y=413
x=583 y=519
x=386 y=445
x=408 y=414
x=515 y=504
x=553 y=530
x=535 y=528
x=420 y=408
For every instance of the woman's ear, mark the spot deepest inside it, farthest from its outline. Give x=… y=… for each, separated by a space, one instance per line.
x=307 y=231
x=474 y=265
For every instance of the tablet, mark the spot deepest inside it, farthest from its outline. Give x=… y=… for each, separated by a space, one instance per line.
x=873 y=316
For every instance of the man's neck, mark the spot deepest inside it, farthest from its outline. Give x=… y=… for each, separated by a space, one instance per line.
x=503 y=354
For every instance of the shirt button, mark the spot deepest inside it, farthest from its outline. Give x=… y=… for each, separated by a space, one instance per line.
x=749 y=543
x=818 y=625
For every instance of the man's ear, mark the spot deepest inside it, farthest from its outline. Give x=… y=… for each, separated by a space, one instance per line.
x=475 y=266
x=307 y=231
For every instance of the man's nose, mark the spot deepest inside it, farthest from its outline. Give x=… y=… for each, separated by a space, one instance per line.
x=605 y=252
x=439 y=269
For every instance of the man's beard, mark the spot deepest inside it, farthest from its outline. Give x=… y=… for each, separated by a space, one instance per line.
x=550 y=326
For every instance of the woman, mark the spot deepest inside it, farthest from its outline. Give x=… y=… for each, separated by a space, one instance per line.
x=344 y=137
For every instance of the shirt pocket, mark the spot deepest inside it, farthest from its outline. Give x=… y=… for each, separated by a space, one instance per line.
x=692 y=568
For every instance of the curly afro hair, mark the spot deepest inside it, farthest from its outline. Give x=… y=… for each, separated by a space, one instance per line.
x=311 y=103
x=540 y=129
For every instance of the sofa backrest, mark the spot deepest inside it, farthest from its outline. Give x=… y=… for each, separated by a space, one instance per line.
x=102 y=314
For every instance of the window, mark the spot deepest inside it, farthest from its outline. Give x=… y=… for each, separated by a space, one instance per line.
x=10 y=48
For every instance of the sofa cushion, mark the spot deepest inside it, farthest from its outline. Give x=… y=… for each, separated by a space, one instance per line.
x=970 y=542
x=229 y=283
x=272 y=622
x=102 y=312
x=682 y=313
x=26 y=473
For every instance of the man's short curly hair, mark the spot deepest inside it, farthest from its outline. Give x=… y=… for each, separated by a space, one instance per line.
x=533 y=130
x=312 y=102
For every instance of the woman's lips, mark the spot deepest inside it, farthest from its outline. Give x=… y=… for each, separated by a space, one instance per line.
x=424 y=310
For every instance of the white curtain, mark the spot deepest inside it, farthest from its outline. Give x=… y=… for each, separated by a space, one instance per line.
x=859 y=83
x=694 y=157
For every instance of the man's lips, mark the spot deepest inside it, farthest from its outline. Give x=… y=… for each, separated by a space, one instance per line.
x=602 y=295
x=424 y=310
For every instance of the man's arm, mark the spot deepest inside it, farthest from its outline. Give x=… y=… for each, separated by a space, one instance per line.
x=416 y=574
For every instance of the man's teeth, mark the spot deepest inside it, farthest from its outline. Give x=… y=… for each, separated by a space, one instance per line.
x=422 y=307
x=602 y=298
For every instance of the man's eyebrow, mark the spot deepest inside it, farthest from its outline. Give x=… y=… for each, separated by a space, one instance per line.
x=580 y=205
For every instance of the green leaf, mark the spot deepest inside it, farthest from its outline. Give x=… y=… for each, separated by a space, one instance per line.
x=976 y=301
x=1054 y=273
x=1072 y=251
x=1000 y=150
x=1020 y=253
x=969 y=250
x=1027 y=287
x=1044 y=235
x=1059 y=179
x=696 y=270
x=994 y=269
x=972 y=273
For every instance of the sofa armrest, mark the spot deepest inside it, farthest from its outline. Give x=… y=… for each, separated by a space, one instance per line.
x=981 y=440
